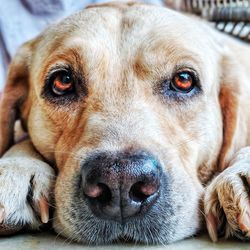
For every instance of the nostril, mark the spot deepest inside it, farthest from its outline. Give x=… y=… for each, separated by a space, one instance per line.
x=99 y=192
x=93 y=191
x=148 y=189
x=140 y=191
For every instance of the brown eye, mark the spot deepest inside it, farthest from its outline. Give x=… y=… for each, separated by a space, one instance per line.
x=183 y=81
x=62 y=83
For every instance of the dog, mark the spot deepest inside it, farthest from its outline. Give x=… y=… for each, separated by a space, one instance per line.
x=138 y=129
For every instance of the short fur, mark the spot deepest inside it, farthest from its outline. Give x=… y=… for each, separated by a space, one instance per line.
x=122 y=53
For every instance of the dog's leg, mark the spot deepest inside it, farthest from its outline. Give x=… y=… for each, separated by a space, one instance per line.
x=227 y=199
x=26 y=182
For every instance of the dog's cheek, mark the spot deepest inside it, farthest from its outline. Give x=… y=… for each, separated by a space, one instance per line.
x=63 y=222
x=43 y=133
x=187 y=193
x=69 y=200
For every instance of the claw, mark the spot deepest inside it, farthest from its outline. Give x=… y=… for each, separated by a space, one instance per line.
x=2 y=214
x=244 y=222
x=212 y=226
x=44 y=210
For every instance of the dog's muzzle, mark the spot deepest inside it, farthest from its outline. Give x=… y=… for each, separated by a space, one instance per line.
x=122 y=185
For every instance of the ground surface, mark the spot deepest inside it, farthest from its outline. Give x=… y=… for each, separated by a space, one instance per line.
x=48 y=241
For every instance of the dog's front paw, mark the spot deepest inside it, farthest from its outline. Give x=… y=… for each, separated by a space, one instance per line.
x=227 y=198
x=25 y=188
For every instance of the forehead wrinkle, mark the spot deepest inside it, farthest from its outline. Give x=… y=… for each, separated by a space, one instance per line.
x=68 y=55
x=161 y=54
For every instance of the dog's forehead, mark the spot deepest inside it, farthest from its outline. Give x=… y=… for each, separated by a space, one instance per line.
x=130 y=27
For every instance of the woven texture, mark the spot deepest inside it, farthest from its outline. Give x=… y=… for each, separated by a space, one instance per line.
x=230 y=16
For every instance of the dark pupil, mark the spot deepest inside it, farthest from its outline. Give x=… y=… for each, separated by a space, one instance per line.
x=185 y=77
x=65 y=79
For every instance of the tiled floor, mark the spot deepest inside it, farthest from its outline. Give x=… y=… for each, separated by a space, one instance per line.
x=46 y=241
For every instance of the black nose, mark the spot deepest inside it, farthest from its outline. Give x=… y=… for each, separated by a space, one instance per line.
x=119 y=186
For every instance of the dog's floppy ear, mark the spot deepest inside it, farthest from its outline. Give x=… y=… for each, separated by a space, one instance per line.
x=14 y=95
x=232 y=102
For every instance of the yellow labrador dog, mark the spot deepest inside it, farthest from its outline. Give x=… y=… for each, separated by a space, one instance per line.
x=144 y=115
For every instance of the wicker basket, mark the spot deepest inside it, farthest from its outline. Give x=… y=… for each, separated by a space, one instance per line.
x=230 y=16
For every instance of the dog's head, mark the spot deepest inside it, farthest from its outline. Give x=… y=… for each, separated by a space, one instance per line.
x=135 y=105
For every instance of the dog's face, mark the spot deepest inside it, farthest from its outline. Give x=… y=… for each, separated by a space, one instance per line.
x=125 y=101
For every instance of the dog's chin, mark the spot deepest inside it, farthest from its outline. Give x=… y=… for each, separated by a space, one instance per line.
x=150 y=229
x=165 y=222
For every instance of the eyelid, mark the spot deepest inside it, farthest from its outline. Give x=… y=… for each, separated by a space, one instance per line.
x=169 y=96
x=187 y=69
x=56 y=69
x=79 y=88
